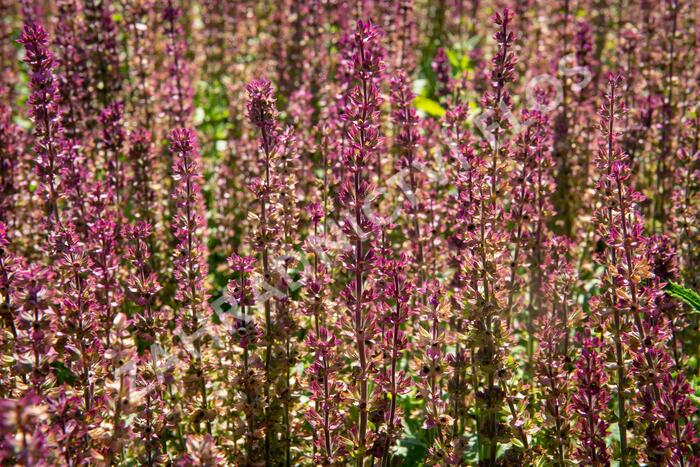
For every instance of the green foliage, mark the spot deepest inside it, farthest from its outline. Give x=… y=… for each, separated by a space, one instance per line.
x=429 y=106
x=460 y=60
x=63 y=374
x=684 y=294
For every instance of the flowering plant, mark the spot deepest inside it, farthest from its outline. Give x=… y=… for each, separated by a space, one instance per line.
x=334 y=233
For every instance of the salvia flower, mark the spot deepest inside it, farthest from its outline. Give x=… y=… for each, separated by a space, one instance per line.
x=443 y=73
x=113 y=137
x=397 y=311
x=260 y=107
x=267 y=188
x=143 y=166
x=189 y=262
x=589 y=402
x=239 y=235
x=22 y=437
x=44 y=108
x=328 y=393
x=361 y=113
x=178 y=87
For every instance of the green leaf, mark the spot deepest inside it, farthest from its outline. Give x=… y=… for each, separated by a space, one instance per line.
x=429 y=106
x=63 y=374
x=459 y=62
x=684 y=294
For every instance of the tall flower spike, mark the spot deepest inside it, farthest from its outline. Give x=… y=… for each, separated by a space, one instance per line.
x=142 y=284
x=73 y=78
x=137 y=16
x=143 y=167
x=78 y=327
x=190 y=267
x=432 y=368
x=178 y=87
x=609 y=161
x=398 y=291
x=407 y=140
x=552 y=376
x=36 y=328
x=589 y=403
x=46 y=115
x=103 y=44
x=675 y=409
x=104 y=235
x=245 y=334
x=327 y=390
x=113 y=137
x=362 y=117
x=497 y=100
x=630 y=286
x=262 y=113
x=481 y=206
